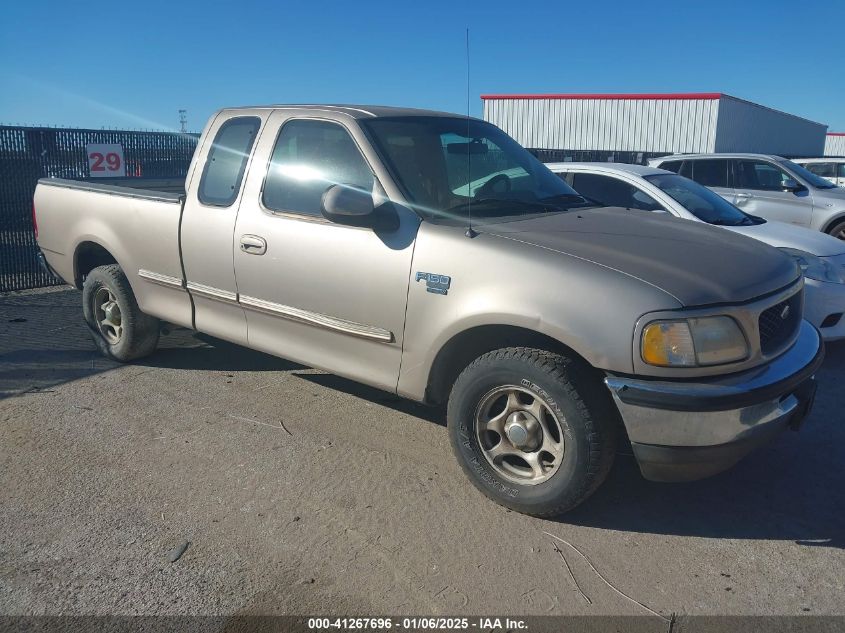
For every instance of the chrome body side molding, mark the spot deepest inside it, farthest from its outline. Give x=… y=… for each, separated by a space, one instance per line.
x=160 y=279
x=319 y=320
x=212 y=293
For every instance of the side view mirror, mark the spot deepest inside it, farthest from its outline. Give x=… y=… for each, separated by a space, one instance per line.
x=345 y=205
x=791 y=185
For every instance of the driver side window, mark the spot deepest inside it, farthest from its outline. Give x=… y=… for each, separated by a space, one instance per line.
x=309 y=157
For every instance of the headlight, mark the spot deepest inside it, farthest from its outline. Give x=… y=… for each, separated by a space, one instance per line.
x=814 y=267
x=693 y=342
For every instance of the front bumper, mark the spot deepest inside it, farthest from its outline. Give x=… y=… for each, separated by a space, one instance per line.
x=684 y=430
x=822 y=302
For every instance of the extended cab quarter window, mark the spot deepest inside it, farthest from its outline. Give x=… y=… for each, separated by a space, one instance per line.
x=226 y=162
x=309 y=157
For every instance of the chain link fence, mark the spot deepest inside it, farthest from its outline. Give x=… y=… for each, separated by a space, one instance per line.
x=30 y=153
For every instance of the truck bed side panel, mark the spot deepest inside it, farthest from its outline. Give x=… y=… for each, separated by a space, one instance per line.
x=140 y=229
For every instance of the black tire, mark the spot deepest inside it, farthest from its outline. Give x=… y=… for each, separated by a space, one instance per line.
x=572 y=392
x=139 y=332
x=838 y=230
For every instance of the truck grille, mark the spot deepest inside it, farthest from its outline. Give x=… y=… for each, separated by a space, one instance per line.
x=779 y=323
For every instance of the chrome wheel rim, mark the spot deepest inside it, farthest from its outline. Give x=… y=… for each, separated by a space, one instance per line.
x=840 y=233
x=108 y=316
x=519 y=435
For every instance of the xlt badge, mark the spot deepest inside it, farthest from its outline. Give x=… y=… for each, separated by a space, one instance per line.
x=438 y=284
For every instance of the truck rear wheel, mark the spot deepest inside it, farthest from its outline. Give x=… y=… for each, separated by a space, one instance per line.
x=120 y=330
x=532 y=429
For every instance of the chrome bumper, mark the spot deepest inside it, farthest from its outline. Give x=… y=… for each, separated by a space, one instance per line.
x=682 y=430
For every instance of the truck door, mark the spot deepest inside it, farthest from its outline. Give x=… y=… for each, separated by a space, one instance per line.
x=328 y=295
x=208 y=224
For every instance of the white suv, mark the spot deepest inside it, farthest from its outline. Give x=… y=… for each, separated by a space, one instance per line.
x=771 y=187
x=832 y=169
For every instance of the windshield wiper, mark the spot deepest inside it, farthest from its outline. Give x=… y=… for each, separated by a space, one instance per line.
x=572 y=197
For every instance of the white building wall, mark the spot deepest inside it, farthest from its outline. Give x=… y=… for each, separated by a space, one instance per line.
x=748 y=127
x=835 y=144
x=708 y=122
x=613 y=124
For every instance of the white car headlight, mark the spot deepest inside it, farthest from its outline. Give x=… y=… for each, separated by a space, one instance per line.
x=693 y=342
x=814 y=267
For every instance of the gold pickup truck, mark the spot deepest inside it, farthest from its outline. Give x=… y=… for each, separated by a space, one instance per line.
x=429 y=255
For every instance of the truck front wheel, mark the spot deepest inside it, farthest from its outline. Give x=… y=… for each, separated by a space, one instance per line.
x=532 y=429
x=119 y=329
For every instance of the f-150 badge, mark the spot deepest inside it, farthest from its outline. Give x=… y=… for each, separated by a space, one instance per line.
x=438 y=284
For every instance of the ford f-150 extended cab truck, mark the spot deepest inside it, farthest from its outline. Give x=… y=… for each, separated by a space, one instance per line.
x=429 y=255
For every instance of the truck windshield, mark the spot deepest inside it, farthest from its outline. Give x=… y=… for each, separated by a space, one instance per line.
x=805 y=174
x=445 y=165
x=703 y=203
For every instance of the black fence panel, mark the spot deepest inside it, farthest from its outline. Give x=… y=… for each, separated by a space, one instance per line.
x=30 y=153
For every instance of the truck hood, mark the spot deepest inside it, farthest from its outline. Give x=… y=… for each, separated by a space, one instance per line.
x=782 y=235
x=695 y=263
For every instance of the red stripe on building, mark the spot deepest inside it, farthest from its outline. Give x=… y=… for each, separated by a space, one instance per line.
x=656 y=96
x=836 y=133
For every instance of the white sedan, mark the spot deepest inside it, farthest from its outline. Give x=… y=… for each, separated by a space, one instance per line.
x=821 y=257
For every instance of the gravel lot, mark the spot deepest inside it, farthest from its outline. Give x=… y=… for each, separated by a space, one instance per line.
x=304 y=493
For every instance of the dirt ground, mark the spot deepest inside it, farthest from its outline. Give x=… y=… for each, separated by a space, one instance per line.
x=303 y=493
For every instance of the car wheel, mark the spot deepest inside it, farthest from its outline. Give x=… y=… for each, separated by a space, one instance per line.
x=838 y=230
x=120 y=330
x=535 y=431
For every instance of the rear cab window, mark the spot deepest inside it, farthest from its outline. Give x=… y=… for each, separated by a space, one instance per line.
x=226 y=161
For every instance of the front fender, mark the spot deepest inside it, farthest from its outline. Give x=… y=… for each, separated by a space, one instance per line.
x=589 y=308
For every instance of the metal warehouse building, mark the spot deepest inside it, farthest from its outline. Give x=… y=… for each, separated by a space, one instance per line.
x=835 y=144
x=633 y=127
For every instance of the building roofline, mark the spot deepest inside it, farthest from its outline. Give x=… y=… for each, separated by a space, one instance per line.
x=836 y=133
x=617 y=96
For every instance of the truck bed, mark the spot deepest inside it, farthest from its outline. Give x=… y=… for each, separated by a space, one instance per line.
x=135 y=221
x=163 y=189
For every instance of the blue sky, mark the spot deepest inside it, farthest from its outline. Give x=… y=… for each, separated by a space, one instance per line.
x=135 y=64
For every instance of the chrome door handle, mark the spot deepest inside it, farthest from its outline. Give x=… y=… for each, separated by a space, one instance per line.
x=744 y=196
x=253 y=245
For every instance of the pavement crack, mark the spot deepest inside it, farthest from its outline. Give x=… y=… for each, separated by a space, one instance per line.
x=606 y=581
x=571 y=575
x=272 y=426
